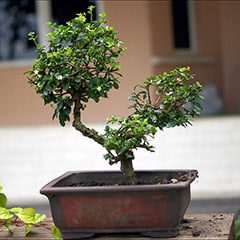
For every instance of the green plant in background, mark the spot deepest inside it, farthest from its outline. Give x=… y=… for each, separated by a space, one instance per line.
x=237 y=226
x=81 y=64
x=237 y=230
x=27 y=216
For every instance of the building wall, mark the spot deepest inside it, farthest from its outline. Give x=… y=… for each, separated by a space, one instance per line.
x=24 y=107
x=230 y=47
x=146 y=29
x=215 y=60
x=205 y=59
x=19 y=104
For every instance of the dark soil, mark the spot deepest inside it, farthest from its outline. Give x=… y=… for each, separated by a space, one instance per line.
x=153 y=180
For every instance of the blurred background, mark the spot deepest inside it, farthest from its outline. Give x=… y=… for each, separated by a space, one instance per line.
x=159 y=36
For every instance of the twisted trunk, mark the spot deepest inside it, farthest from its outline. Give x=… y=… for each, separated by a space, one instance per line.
x=126 y=163
x=78 y=125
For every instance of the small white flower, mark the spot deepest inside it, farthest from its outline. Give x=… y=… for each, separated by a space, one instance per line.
x=119 y=43
x=99 y=89
x=60 y=77
x=36 y=72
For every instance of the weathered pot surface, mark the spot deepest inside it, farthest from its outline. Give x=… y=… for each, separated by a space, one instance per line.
x=152 y=210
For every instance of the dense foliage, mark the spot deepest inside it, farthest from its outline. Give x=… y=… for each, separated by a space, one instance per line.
x=166 y=100
x=81 y=63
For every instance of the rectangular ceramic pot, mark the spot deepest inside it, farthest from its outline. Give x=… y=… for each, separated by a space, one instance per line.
x=152 y=210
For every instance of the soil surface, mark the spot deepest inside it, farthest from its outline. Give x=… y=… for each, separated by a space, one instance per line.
x=153 y=180
x=207 y=226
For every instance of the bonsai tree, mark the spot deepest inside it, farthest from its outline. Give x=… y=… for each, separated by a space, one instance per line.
x=81 y=64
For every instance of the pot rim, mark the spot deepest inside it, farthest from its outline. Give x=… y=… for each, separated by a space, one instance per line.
x=51 y=188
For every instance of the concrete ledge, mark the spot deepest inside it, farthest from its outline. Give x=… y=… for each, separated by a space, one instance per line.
x=194 y=226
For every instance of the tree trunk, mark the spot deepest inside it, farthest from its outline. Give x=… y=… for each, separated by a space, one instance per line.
x=128 y=171
x=126 y=162
x=78 y=125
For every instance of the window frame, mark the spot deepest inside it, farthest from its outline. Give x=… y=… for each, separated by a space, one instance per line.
x=43 y=13
x=192 y=31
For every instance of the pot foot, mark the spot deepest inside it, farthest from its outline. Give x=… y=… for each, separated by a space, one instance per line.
x=76 y=236
x=161 y=234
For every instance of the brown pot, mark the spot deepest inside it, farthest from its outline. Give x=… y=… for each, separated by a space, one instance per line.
x=152 y=210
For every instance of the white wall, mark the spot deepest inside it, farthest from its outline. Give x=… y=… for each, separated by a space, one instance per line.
x=32 y=156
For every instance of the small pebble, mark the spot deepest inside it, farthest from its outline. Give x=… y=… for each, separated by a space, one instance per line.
x=196 y=233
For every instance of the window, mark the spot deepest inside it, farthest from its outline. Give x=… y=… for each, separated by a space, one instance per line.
x=17 y=19
x=63 y=11
x=23 y=16
x=183 y=21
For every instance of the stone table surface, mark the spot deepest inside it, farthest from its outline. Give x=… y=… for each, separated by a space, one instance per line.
x=194 y=226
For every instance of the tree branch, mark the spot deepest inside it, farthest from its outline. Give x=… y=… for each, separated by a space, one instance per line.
x=78 y=125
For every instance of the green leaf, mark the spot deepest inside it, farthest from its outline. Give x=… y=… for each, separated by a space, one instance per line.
x=237 y=229
x=29 y=216
x=3 y=200
x=39 y=217
x=5 y=214
x=237 y=236
x=198 y=106
x=62 y=119
x=27 y=228
x=1 y=187
x=237 y=225
x=15 y=209
x=56 y=232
